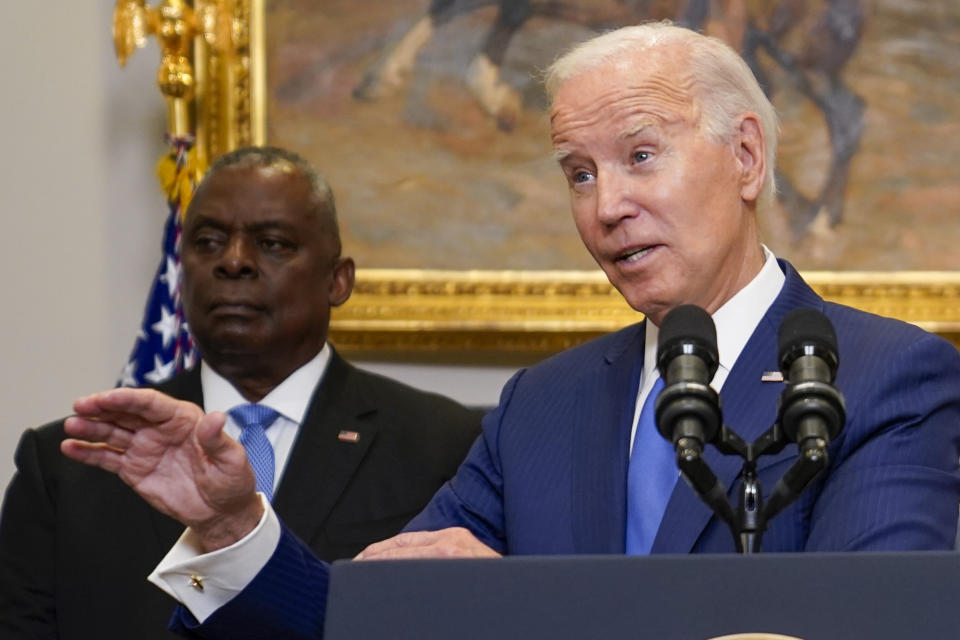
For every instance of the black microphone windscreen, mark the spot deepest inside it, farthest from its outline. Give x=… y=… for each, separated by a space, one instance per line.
x=691 y=324
x=806 y=327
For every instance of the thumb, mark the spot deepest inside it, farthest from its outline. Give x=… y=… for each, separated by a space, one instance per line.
x=211 y=437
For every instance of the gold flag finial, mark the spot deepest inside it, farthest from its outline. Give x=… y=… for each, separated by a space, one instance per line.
x=174 y=23
x=129 y=28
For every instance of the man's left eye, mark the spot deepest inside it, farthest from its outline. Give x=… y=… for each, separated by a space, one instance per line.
x=273 y=244
x=641 y=156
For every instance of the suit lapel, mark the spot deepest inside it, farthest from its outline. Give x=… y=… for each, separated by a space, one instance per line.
x=602 y=421
x=322 y=463
x=749 y=408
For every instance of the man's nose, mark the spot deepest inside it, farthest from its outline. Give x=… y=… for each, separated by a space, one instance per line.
x=237 y=260
x=614 y=197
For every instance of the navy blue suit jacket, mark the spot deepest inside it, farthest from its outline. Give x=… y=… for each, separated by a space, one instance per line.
x=548 y=474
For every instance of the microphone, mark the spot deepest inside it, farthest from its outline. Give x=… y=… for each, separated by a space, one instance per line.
x=688 y=409
x=811 y=411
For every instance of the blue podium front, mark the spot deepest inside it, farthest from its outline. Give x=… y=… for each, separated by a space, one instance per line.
x=839 y=596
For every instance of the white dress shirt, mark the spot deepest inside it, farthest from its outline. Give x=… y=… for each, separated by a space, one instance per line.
x=227 y=571
x=291 y=399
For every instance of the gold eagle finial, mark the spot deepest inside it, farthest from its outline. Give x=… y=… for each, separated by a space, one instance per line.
x=175 y=24
x=131 y=26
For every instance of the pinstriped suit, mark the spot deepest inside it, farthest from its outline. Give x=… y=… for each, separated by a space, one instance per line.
x=548 y=476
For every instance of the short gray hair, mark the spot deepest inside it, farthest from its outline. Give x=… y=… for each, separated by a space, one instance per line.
x=725 y=86
x=266 y=156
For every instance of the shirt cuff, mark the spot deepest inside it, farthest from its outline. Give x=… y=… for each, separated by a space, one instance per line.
x=204 y=582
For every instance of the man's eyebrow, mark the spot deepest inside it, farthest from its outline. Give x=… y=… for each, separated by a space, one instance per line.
x=635 y=129
x=559 y=155
x=201 y=220
x=267 y=225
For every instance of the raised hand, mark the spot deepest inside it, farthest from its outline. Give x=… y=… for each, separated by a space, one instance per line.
x=455 y=542
x=172 y=454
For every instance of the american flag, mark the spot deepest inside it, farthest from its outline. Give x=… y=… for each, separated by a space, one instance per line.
x=164 y=346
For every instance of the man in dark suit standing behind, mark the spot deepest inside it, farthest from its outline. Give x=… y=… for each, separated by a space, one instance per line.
x=355 y=455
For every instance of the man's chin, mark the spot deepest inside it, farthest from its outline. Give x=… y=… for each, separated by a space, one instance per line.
x=640 y=300
x=233 y=341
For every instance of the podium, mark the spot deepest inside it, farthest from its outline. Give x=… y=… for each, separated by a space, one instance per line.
x=828 y=596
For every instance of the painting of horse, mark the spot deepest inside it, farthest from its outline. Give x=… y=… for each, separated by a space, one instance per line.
x=429 y=119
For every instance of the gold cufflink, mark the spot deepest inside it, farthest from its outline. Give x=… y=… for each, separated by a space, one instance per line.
x=196 y=582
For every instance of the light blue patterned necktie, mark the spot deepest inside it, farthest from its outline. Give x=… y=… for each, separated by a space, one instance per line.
x=254 y=419
x=651 y=478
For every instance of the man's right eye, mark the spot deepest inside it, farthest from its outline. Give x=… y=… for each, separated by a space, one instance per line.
x=206 y=243
x=581 y=177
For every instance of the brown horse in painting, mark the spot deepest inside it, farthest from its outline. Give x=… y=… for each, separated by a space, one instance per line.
x=809 y=41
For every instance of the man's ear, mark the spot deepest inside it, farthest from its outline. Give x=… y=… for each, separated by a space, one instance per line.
x=751 y=152
x=341 y=285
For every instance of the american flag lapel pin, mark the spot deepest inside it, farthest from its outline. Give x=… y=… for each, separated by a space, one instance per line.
x=346 y=435
x=771 y=376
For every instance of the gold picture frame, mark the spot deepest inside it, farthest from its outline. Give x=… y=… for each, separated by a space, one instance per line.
x=534 y=312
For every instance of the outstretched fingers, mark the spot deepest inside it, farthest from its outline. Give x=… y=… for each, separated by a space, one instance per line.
x=131 y=408
x=96 y=454
x=136 y=433
x=100 y=432
x=173 y=455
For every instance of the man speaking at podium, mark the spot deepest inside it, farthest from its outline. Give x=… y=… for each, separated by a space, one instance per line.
x=668 y=146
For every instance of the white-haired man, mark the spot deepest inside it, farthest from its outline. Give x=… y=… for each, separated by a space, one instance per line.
x=668 y=145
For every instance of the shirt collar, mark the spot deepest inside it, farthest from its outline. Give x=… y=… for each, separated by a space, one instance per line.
x=735 y=320
x=291 y=398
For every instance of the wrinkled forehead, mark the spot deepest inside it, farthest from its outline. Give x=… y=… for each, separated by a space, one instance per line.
x=257 y=195
x=279 y=174
x=641 y=89
x=280 y=181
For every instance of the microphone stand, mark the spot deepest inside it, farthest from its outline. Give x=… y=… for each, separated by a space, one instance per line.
x=749 y=520
x=810 y=412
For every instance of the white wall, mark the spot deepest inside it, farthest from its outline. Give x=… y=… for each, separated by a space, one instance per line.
x=83 y=214
x=80 y=208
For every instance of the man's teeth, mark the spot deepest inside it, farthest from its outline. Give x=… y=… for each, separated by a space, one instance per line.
x=636 y=254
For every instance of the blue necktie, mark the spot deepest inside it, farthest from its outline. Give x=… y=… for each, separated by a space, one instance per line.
x=651 y=477
x=254 y=420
